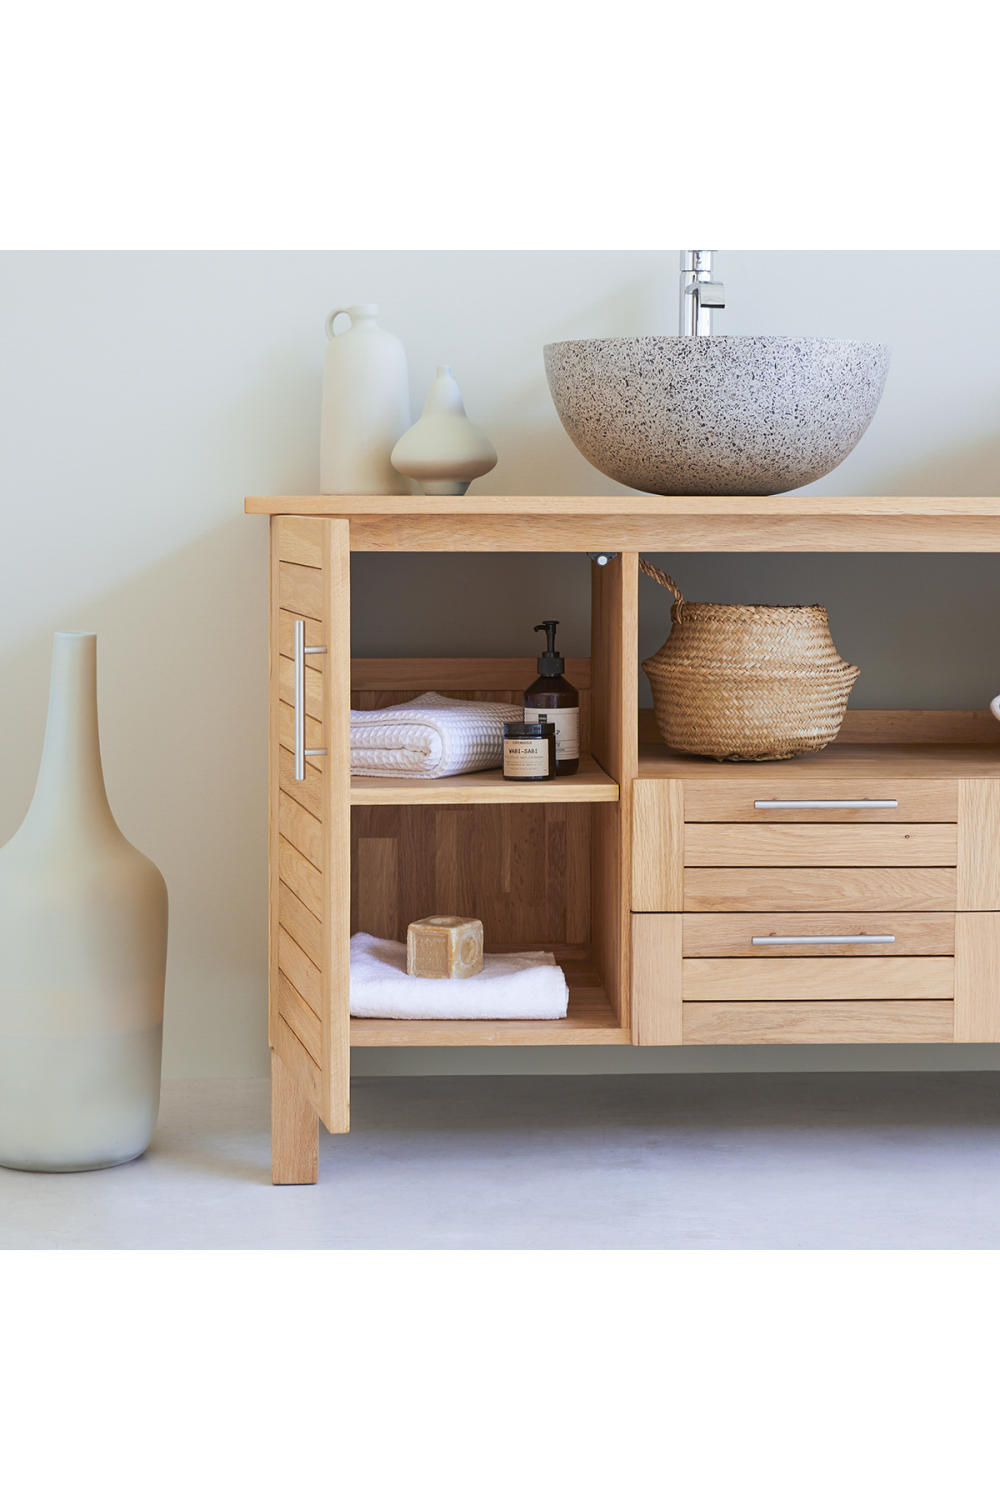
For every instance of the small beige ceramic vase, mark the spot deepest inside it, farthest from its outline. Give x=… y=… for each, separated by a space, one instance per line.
x=83 y=946
x=444 y=452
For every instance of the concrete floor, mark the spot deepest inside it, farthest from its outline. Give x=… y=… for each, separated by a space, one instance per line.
x=729 y=1162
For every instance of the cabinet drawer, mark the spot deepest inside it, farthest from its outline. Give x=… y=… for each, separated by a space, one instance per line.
x=872 y=890
x=801 y=979
x=732 y=935
x=678 y=999
x=862 y=1021
x=884 y=844
x=735 y=801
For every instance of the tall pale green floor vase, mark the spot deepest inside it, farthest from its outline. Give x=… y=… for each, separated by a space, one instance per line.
x=83 y=948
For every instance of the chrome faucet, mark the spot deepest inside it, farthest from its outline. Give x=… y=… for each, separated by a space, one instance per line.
x=699 y=293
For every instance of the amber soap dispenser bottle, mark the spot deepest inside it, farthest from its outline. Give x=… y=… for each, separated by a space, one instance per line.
x=551 y=699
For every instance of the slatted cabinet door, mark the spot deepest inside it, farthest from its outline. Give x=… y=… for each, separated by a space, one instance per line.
x=310 y=885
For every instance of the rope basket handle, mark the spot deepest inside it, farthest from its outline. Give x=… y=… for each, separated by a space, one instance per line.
x=664 y=579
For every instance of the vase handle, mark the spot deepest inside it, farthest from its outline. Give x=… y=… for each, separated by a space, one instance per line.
x=301 y=652
x=335 y=314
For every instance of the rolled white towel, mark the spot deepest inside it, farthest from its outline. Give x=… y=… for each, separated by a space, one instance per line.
x=511 y=987
x=429 y=736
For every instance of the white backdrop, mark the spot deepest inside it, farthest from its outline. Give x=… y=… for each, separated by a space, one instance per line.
x=145 y=394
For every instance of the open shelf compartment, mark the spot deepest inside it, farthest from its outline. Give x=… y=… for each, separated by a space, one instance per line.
x=529 y=861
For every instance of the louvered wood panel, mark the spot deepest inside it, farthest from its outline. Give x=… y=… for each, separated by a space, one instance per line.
x=310 y=893
x=296 y=1011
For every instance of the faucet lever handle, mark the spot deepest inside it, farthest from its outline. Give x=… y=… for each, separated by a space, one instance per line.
x=709 y=293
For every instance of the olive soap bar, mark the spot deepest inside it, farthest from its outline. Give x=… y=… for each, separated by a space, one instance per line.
x=444 y=948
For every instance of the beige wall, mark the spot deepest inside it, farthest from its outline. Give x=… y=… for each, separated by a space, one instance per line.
x=143 y=395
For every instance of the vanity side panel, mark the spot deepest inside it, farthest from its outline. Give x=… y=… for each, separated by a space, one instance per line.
x=979 y=845
x=977 y=976
x=614 y=745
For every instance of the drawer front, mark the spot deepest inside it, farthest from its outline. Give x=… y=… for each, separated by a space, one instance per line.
x=818 y=1023
x=795 y=844
x=734 y=801
x=732 y=935
x=855 y=890
x=801 y=979
x=678 y=1000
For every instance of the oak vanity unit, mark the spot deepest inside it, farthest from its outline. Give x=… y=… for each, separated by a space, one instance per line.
x=850 y=896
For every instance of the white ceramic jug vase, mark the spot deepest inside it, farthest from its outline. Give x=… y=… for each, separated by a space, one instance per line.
x=995 y=707
x=83 y=945
x=366 y=407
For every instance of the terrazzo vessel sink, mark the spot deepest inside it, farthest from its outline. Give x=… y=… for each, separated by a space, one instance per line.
x=716 y=415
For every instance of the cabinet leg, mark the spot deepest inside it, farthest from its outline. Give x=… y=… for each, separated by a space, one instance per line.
x=294 y=1129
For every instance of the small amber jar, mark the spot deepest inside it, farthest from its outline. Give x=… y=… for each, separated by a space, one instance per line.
x=529 y=752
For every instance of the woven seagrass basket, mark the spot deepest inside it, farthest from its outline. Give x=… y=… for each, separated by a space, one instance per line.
x=747 y=681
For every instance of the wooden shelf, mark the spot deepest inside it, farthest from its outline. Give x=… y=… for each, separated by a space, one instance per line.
x=837 y=760
x=589 y=1021
x=590 y=784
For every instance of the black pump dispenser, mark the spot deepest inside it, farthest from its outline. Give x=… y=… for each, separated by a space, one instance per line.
x=551 y=699
x=550 y=663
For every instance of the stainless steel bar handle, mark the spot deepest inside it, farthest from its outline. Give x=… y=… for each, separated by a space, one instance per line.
x=301 y=652
x=774 y=942
x=866 y=803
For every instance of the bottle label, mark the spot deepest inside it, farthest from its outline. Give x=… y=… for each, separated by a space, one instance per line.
x=529 y=758
x=567 y=722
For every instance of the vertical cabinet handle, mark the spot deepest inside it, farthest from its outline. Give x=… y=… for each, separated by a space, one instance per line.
x=301 y=652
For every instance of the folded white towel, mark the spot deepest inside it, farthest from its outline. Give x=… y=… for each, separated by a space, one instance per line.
x=511 y=987
x=429 y=736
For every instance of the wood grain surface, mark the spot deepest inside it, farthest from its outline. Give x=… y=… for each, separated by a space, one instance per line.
x=733 y=801
x=614 y=651
x=731 y=935
x=294 y=1129
x=656 y=979
x=927 y=744
x=523 y=870
x=979 y=845
x=831 y=844
x=589 y=784
x=977 y=976
x=566 y=523
x=762 y=1022
x=707 y=979
x=814 y=890
x=658 y=809
x=310 y=887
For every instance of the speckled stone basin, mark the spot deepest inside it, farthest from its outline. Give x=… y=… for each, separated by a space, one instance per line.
x=716 y=416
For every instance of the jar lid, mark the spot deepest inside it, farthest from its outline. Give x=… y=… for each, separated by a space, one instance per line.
x=544 y=731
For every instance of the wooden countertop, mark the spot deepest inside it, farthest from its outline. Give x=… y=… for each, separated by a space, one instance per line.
x=629 y=523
